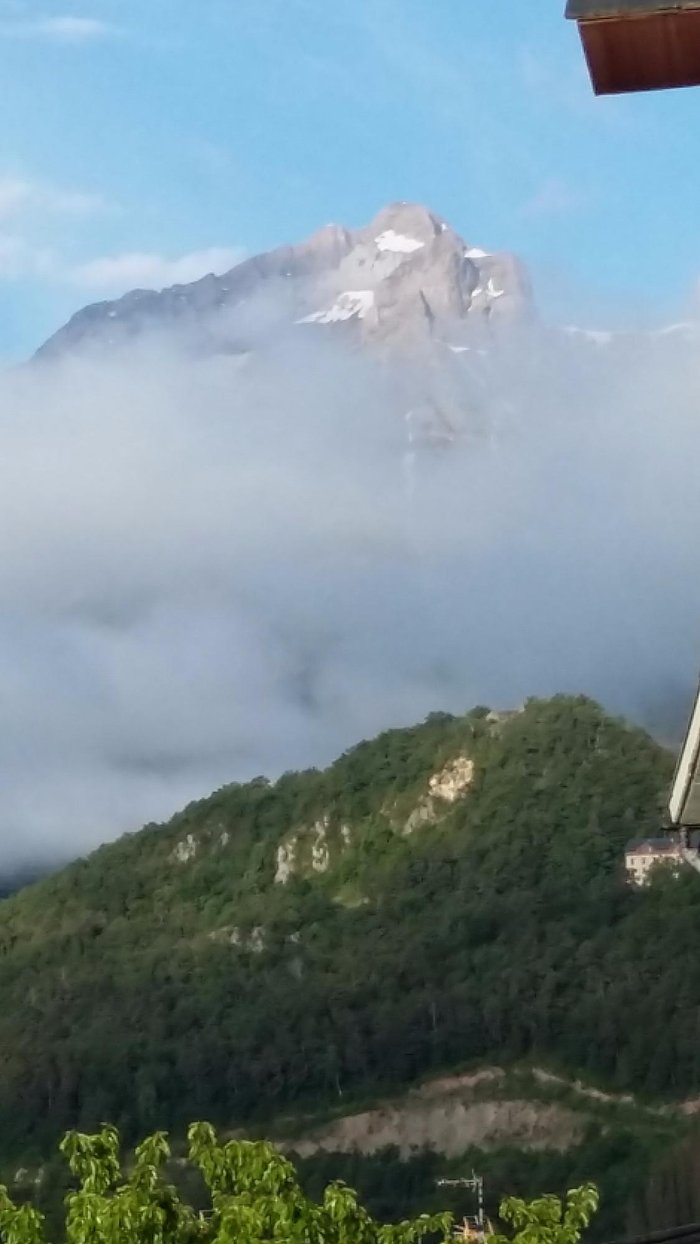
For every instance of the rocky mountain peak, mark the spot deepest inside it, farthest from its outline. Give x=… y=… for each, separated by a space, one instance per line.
x=331 y=244
x=398 y=283
x=411 y=220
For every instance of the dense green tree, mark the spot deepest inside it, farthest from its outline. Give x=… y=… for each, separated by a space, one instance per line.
x=252 y=1197
x=549 y=1219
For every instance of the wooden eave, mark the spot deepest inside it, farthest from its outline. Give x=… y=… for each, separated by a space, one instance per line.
x=639 y=45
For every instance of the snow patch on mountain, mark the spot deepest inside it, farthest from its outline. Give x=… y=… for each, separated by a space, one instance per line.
x=599 y=337
x=689 y=329
x=353 y=303
x=399 y=243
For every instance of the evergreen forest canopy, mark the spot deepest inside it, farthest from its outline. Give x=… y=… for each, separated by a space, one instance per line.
x=441 y=895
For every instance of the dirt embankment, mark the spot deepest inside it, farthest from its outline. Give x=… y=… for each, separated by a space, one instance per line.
x=447 y=1116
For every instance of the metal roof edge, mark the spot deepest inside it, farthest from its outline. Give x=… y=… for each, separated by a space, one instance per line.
x=591 y=10
x=686 y=766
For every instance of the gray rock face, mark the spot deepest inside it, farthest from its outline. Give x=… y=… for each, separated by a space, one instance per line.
x=401 y=283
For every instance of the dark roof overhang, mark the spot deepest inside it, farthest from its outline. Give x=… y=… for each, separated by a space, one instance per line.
x=592 y=10
x=639 y=45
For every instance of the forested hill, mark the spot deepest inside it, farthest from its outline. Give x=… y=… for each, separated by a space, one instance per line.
x=439 y=895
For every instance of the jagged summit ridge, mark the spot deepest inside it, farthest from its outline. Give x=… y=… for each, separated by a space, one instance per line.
x=408 y=271
x=394 y=283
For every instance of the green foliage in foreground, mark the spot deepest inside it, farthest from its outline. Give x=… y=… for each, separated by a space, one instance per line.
x=549 y=1219
x=252 y=1197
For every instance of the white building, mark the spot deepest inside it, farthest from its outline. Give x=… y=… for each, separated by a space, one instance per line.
x=645 y=853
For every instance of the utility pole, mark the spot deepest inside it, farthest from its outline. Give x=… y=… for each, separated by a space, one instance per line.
x=476 y=1184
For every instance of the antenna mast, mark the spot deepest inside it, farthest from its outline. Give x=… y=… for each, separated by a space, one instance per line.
x=476 y=1184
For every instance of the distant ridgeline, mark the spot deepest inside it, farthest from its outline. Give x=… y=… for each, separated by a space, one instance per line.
x=443 y=896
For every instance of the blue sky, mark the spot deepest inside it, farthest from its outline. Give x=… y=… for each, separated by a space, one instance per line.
x=144 y=141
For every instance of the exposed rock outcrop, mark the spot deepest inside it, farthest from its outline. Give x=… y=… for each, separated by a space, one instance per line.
x=404 y=281
x=444 y=788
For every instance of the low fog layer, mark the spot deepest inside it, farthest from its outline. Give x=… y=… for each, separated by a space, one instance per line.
x=217 y=568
